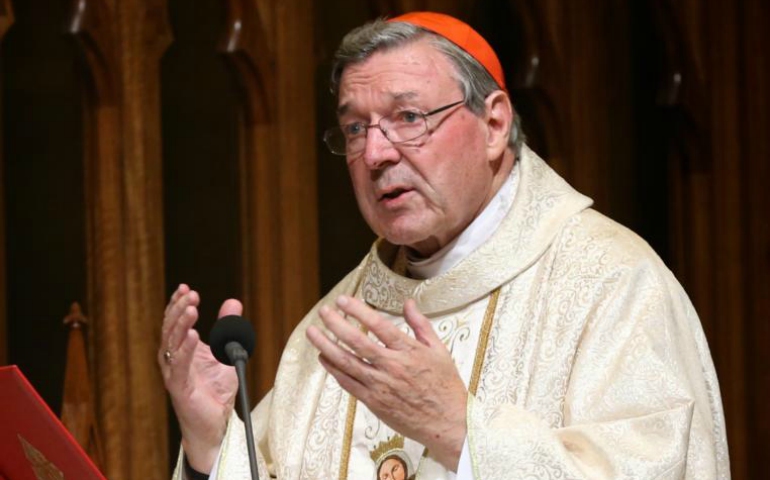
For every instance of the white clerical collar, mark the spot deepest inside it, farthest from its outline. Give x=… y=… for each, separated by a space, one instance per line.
x=478 y=232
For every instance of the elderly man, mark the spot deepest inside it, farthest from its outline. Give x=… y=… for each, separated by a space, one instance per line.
x=499 y=328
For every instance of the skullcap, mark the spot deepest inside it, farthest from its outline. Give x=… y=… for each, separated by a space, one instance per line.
x=462 y=35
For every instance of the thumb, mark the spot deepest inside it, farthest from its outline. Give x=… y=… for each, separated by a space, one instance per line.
x=230 y=307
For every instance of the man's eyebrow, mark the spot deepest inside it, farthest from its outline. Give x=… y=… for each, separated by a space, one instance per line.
x=342 y=109
x=397 y=97
x=405 y=96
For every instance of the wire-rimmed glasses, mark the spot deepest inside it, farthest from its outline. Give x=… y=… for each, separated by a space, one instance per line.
x=399 y=127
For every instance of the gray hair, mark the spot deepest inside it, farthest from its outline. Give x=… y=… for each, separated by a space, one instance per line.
x=473 y=79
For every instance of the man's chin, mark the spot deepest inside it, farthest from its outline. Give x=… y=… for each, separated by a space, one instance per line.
x=419 y=242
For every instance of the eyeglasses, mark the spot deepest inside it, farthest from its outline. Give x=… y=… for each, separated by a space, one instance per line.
x=398 y=127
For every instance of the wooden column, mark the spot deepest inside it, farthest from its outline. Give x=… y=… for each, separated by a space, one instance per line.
x=144 y=35
x=122 y=43
x=293 y=26
x=247 y=48
x=270 y=47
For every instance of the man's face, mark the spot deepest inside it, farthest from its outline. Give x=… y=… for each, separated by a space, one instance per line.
x=421 y=194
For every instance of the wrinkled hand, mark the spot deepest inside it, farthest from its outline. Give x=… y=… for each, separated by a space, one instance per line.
x=202 y=389
x=410 y=383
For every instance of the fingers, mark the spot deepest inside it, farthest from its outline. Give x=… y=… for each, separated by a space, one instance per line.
x=385 y=330
x=183 y=358
x=182 y=289
x=353 y=386
x=180 y=300
x=180 y=316
x=181 y=319
x=350 y=335
x=423 y=331
x=230 y=307
x=342 y=360
x=364 y=357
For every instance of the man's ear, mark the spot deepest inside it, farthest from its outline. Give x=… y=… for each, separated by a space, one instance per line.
x=499 y=117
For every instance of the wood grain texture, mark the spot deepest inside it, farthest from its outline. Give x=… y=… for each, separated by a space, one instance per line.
x=270 y=45
x=247 y=48
x=726 y=189
x=78 y=412
x=719 y=229
x=144 y=37
x=293 y=23
x=296 y=120
x=122 y=44
x=755 y=16
x=538 y=71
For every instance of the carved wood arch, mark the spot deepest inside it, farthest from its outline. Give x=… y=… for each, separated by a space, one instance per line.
x=6 y=20
x=680 y=28
x=270 y=45
x=539 y=73
x=106 y=297
x=121 y=44
x=246 y=48
x=92 y=24
x=682 y=77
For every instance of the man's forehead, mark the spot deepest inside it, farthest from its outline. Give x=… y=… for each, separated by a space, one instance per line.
x=393 y=97
x=397 y=75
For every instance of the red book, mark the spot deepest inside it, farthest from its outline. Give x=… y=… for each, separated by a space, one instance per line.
x=34 y=445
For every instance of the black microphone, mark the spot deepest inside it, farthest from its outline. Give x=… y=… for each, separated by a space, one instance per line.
x=232 y=340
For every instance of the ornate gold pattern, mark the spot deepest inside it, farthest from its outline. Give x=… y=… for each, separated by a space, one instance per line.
x=43 y=468
x=589 y=344
x=481 y=348
x=396 y=442
x=348 y=438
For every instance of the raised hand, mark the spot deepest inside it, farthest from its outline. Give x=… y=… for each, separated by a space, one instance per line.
x=202 y=389
x=411 y=384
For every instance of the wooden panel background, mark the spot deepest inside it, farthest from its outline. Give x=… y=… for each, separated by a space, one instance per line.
x=120 y=47
x=658 y=110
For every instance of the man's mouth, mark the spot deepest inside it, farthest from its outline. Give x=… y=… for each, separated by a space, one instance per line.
x=392 y=194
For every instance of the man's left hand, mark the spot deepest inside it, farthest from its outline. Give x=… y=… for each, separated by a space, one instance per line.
x=410 y=383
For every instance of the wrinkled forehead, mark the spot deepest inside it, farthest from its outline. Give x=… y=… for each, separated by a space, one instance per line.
x=411 y=72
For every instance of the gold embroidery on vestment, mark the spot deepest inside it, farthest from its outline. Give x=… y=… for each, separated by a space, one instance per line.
x=481 y=347
x=347 y=440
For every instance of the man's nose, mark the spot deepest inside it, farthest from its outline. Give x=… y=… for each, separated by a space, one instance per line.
x=379 y=150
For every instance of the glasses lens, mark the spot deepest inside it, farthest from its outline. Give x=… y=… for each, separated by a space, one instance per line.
x=335 y=141
x=404 y=126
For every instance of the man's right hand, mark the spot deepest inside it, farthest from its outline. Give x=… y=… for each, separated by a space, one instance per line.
x=202 y=389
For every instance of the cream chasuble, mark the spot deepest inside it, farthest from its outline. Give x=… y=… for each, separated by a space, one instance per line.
x=592 y=364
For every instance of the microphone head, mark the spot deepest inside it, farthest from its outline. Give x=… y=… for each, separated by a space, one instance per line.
x=231 y=328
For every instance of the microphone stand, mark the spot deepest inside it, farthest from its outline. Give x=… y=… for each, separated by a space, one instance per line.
x=238 y=357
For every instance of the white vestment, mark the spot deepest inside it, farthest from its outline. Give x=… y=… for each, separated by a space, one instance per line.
x=584 y=359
